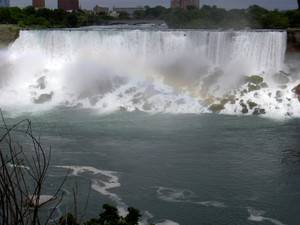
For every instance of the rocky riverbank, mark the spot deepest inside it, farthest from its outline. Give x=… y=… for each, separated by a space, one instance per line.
x=293 y=40
x=8 y=34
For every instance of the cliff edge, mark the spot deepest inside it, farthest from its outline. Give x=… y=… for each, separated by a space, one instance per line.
x=293 y=40
x=8 y=34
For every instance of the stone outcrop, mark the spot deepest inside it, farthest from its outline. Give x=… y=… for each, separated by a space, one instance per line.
x=8 y=34
x=43 y=98
x=293 y=40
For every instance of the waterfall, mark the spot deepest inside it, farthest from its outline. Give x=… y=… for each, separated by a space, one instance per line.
x=263 y=49
x=149 y=70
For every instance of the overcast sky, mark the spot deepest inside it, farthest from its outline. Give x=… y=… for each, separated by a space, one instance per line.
x=228 y=4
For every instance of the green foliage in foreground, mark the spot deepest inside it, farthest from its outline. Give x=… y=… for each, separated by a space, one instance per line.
x=207 y=17
x=109 y=217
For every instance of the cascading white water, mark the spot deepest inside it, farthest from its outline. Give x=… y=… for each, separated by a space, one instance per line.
x=156 y=71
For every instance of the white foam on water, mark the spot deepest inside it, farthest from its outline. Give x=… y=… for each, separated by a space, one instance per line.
x=257 y=216
x=102 y=186
x=168 y=222
x=107 y=180
x=184 y=196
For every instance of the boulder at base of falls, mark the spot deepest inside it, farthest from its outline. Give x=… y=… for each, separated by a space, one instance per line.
x=43 y=98
x=216 y=108
x=251 y=104
x=281 y=78
x=264 y=85
x=258 y=111
x=296 y=90
x=147 y=106
x=253 y=87
x=255 y=79
x=244 y=106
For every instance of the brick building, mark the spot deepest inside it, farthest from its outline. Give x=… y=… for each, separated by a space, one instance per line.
x=38 y=3
x=68 y=4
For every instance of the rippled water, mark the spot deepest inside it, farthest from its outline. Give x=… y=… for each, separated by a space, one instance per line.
x=189 y=169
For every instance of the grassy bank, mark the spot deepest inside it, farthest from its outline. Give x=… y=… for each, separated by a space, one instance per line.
x=8 y=34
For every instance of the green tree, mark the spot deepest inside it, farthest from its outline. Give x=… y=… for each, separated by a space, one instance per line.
x=5 y=15
x=29 y=10
x=68 y=219
x=72 y=20
x=111 y=216
x=139 y=14
x=123 y=16
x=294 y=18
x=133 y=216
x=16 y=14
x=276 y=20
x=58 y=17
x=43 y=12
x=255 y=15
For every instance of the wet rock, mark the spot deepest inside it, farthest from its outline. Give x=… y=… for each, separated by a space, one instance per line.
x=244 y=91
x=289 y=114
x=244 y=106
x=136 y=100
x=43 y=98
x=94 y=100
x=281 y=78
x=216 y=108
x=283 y=86
x=279 y=94
x=245 y=110
x=147 y=106
x=243 y=80
x=42 y=82
x=224 y=101
x=231 y=99
x=251 y=104
x=255 y=79
x=252 y=87
x=258 y=111
x=264 y=85
x=256 y=95
x=296 y=90
x=123 y=108
x=79 y=105
x=131 y=90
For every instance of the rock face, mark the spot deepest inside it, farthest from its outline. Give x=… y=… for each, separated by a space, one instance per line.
x=293 y=40
x=8 y=34
x=43 y=98
x=296 y=89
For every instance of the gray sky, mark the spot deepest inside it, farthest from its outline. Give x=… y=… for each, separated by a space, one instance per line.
x=228 y=4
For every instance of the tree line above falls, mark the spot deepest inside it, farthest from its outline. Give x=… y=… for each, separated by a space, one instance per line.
x=207 y=17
